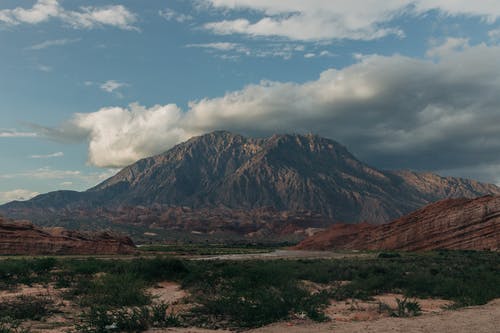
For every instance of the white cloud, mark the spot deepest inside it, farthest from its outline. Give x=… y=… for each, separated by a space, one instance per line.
x=221 y=46
x=172 y=15
x=112 y=85
x=12 y=133
x=450 y=45
x=50 y=43
x=86 y=17
x=225 y=50
x=342 y=19
x=58 y=154
x=323 y=53
x=494 y=34
x=18 y=194
x=489 y=10
x=231 y=51
x=393 y=111
x=326 y=53
x=118 y=136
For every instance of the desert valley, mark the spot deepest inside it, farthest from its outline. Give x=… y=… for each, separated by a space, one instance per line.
x=204 y=166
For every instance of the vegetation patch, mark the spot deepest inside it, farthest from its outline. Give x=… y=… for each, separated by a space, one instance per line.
x=244 y=294
x=26 y=307
x=136 y=319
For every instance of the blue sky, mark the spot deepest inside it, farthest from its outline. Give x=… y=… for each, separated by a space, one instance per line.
x=87 y=87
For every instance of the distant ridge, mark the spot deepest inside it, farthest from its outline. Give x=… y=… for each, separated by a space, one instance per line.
x=286 y=172
x=24 y=238
x=454 y=224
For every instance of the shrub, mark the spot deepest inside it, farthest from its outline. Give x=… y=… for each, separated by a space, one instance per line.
x=137 y=319
x=112 y=290
x=27 y=307
x=406 y=308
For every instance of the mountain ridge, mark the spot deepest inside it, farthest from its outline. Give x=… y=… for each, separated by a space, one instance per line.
x=454 y=224
x=289 y=172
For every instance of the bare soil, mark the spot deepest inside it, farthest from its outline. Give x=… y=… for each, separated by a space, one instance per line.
x=477 y=319
x=350 y=316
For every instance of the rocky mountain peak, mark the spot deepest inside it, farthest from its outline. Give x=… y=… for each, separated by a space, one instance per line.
x=289 y=172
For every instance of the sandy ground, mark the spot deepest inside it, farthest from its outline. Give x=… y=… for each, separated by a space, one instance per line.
x=479 y=319
x=349 y=316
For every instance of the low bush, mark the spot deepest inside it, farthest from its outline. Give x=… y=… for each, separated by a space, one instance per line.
x=112 y=290
x=407 y=308
x=99 y=319
x=27 y=307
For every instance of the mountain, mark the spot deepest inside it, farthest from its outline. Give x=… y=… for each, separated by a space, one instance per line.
x=291 y=173
x=23 y=238
x=466 y=224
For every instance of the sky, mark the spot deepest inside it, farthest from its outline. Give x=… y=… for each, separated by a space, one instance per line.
x=88 y=87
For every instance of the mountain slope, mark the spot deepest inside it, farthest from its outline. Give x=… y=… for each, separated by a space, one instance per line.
x=467 y=224
x=287 y=172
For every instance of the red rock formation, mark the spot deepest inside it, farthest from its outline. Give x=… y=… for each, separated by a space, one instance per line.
x=448 y=224
x=23 y=238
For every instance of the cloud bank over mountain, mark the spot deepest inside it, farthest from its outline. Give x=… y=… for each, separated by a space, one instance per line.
x=439 y=113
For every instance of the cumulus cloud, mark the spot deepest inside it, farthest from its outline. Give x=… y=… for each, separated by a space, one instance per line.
x=18 y=194
x=58 y=154
x=84 y=18
x=392 y=111
x=344 y=19
x=118 y=136
x=449 y=46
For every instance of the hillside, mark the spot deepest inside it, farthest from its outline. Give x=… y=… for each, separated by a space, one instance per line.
x=24 y=238
x=466 y=224
x=286 y=172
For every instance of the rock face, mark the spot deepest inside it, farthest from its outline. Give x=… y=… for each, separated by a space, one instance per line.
x=467 y=224
x=23 y=238
x=286 y=172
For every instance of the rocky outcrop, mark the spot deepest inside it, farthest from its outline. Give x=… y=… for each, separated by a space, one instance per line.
x=287 y=172
x=23 y=238
x=448 y=224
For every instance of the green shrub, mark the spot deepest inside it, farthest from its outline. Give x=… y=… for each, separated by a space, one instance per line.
x=389 y=255
x=407 y=308
x=112 y=290
x=27 y=307
x=99 y=319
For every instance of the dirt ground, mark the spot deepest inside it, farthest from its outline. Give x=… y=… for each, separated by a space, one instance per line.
x=477 y=319
x=350 y=316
